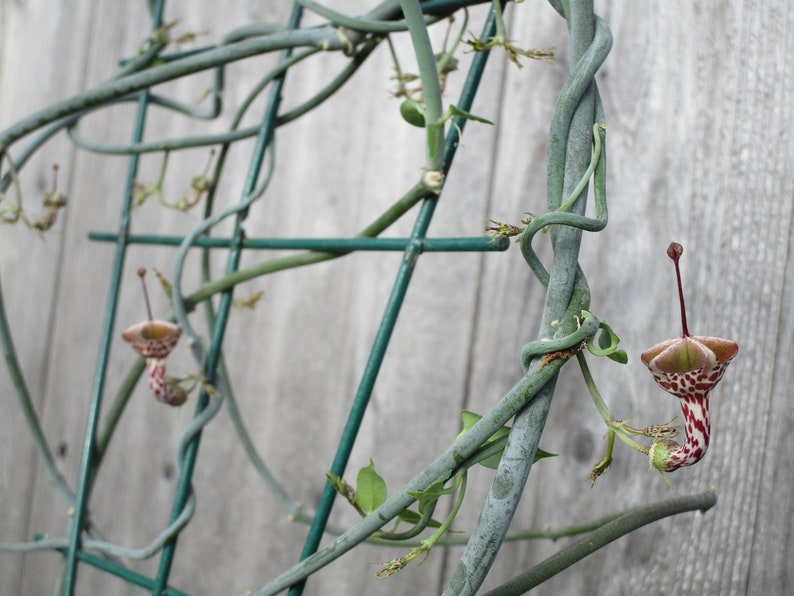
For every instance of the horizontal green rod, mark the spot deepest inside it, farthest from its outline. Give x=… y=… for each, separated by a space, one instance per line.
x=475 y=243
x=124 y=573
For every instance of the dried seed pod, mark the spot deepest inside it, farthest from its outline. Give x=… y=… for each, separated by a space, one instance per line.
x=687 y=367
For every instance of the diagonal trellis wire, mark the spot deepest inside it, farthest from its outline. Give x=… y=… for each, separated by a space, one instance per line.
x=577 y=126
x=212 y=359
x=108 y=326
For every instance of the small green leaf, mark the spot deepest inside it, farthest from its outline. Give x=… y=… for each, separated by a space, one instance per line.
x=541 y=454
x=470 y=419
x=431 y=494
x=456 y=111
x=412 y=517
x=370 y=488
x=492 y=462
x=604 y=340
x=413 y=113
x=608 y=342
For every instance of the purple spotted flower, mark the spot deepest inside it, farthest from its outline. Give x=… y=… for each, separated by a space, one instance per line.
x=154 y=340
x=687 y=367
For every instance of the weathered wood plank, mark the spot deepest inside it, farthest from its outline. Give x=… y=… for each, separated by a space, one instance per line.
x=697 y=100
x=687 y=118
x=32 y=33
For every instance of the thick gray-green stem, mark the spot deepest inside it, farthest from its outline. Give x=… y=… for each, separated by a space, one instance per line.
x=620 y=526
x=441 y=468
x=569 y=154
x=431 y=86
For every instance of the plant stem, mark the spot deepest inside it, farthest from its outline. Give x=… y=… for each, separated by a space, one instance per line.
x=612 y=423
x=357 y=23
x=567 y=291
x=431 y=86
x=501 y=34
x=599 y=538
x=577 y=191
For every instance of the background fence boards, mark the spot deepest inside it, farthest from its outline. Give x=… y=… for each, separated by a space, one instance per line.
x=698 y=100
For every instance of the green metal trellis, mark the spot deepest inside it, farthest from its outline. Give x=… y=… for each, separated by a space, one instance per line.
x=570 y=150
x=75 y=548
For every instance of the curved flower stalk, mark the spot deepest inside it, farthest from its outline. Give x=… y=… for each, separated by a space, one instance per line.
x=687 y=367
x=154 y=340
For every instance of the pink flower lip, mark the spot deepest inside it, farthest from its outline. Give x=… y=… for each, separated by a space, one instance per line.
x=689 y=353
x=689 y=366
x=153 y=339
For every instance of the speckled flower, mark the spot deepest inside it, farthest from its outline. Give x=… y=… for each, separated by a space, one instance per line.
x=687 y=367
x=154 y=340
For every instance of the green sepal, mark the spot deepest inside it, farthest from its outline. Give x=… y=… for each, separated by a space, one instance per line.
x=370 y=488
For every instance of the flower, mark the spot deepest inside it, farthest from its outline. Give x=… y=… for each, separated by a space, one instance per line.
x=687 y=367
x=154 y=340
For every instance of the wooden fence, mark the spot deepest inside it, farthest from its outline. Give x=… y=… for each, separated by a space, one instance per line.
x=698 y=97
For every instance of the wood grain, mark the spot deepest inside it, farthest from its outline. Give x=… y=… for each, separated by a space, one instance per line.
x=698 y=99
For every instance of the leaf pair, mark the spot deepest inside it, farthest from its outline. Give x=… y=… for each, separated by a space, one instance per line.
x=490 y=452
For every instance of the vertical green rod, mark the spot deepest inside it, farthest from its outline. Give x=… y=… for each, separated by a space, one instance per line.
x=108 y=325
x=264 y=138
x=389 y=319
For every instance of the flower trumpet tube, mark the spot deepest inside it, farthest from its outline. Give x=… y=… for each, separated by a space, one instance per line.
x=687 y=367
x=154 y=340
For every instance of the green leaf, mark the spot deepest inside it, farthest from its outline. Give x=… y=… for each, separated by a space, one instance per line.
x=431 y=494
x=412 y=517
x=470 y=418
x=370 y=488
x=605 y=340
x=541 y=454
x=608 y=342
x=456 y=111
x=413 y=113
